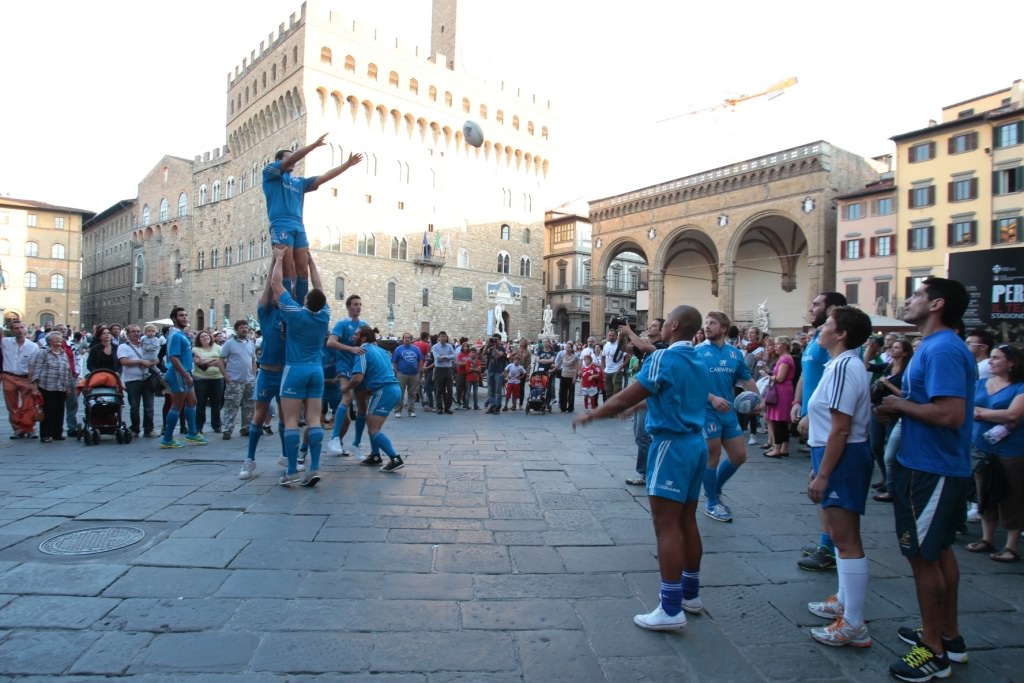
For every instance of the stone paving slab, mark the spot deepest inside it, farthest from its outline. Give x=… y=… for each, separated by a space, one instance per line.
x=508 y=549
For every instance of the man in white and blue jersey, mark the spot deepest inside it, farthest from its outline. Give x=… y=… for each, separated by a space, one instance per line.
x=302 y=384
x=822 y=555
x=285 y=194
x=179 y=383
x=933 y=472
x=342 y=339
x=838 y=419
x=726 y=370
x=673 y=383
x=373 y=373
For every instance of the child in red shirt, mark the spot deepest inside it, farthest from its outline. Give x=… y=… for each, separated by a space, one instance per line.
x=591 y=378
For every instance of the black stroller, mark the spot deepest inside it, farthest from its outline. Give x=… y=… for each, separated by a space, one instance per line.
x=103 y=397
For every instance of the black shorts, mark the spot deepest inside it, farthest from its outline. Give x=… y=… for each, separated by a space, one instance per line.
x=929 y=509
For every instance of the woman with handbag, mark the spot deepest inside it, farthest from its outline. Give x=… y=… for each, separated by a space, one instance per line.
x=51 y=376
x=999 y=443
x=778 y=398
x=887 y=385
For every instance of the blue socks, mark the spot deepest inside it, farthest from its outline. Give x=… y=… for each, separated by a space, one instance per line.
x=380 y=440
x=170 y=424
x=826 y=540
x=691 y=584
x=711 y=486
x=315 y=435
x=671 y=597
x=291 y=449
x=190 y=420
x=360 y=425
x=286 y=282
x=255 y=432
x=301 y=290
x=725 y=471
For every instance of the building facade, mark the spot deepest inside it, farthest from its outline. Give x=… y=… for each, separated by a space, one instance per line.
x=760 y=231
x=40 y=251
x=961 y=181
x=866 y=246
x=107 y=249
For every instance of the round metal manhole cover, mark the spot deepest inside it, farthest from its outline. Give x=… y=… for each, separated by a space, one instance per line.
x=92 y=540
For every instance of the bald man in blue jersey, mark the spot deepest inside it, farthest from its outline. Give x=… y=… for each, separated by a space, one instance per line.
x=302 y=384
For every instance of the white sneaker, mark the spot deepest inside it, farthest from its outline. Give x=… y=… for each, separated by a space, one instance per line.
x=659 y=621
x=334 y=446
x=248 y=470
x=830 y=608
x=397 y=415
x=283 y=462
x=752 y=441
x=693 y=606
x=972 y=513
x=356 y=451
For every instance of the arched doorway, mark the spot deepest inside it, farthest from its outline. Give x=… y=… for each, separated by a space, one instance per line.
x=622 y=272
x=690 y=271
x=47 y=318
x=769 y=256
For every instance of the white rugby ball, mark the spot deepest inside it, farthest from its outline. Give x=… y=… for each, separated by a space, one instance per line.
x=746 y=402
x=473 y=133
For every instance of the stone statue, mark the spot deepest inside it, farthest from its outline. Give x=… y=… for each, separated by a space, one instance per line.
x=499 y=320
x=549 y=329
x=763 y=319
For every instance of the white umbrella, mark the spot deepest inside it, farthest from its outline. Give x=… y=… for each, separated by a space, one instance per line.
x=164 y=321
x=882 y=321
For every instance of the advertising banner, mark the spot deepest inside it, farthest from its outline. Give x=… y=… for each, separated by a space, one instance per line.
x=995 y=283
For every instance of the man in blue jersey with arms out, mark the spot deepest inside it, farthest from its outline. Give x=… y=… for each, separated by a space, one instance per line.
x=726 y=369
x=342 y=339
x=673 y=383
x=179 y=383
x=933 y=472
x=285 y=194
x=268 y=378
x=302 y=384
x=373 y=374
x=821 y=556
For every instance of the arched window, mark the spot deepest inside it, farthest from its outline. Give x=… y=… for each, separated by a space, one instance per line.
x=325 y=55
x=371 y=71
x=414 y=86
x=403 y=249
x=447 y=98
x=515 y=122
x=57 y=251
x=140 y=269
x=463 y=258
x=47 y=319
x=500 y=116
x=465 y=105
x=5 y=246
x=138 y=308
x=252 y=249
x=215 y=258
x=392 y=293
x=182 y=205
x=525 y=269
x=504 y=262
x=156 y=307
x=31 y=249
x=165 y=210
x=393 y=79
x=201 y=260
x=239 y=254
x=231 y=187
x=216 y=190
x=529 y=127
x=394 y=247
x=505 y=231
x=252 y=176
x=350 y=63
x=145 y=215
x=30 y=280
x=365 y=245
x=263 y=246
x=339 y=288
x=227 y=256
x=202 y=195
x=56 y=281
x=526 y=235
x=483 y=111
x=432 y=94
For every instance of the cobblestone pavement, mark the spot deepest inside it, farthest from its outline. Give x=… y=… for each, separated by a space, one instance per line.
x=508 y=549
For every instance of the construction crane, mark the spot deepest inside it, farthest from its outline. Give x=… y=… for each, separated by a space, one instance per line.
x=775 y=90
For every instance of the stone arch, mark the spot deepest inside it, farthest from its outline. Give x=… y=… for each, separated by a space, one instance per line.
x=687 y=265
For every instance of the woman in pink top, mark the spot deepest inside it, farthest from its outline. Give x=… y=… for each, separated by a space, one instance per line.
x=778 y=414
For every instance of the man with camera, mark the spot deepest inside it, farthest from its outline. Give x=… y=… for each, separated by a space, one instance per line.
x=614 y=357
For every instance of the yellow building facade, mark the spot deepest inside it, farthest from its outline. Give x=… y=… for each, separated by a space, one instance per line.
x=960 y=185
x=40 y=248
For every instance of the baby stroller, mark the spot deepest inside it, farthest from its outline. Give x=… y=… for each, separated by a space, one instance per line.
x=103 y=398
x=537 y=398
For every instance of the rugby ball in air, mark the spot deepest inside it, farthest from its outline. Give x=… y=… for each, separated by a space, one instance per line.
x=473 y=133
x=746 y=402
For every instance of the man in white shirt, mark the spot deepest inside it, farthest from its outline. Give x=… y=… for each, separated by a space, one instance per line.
x=980 y=343
x=238 y=356
x=613 y=359
x=19 y=393
x=134 y=374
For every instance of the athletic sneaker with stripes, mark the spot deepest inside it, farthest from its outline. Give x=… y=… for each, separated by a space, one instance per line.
x=955 y=648
x=920 y=664
x=831 y=608
x=840 y=633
